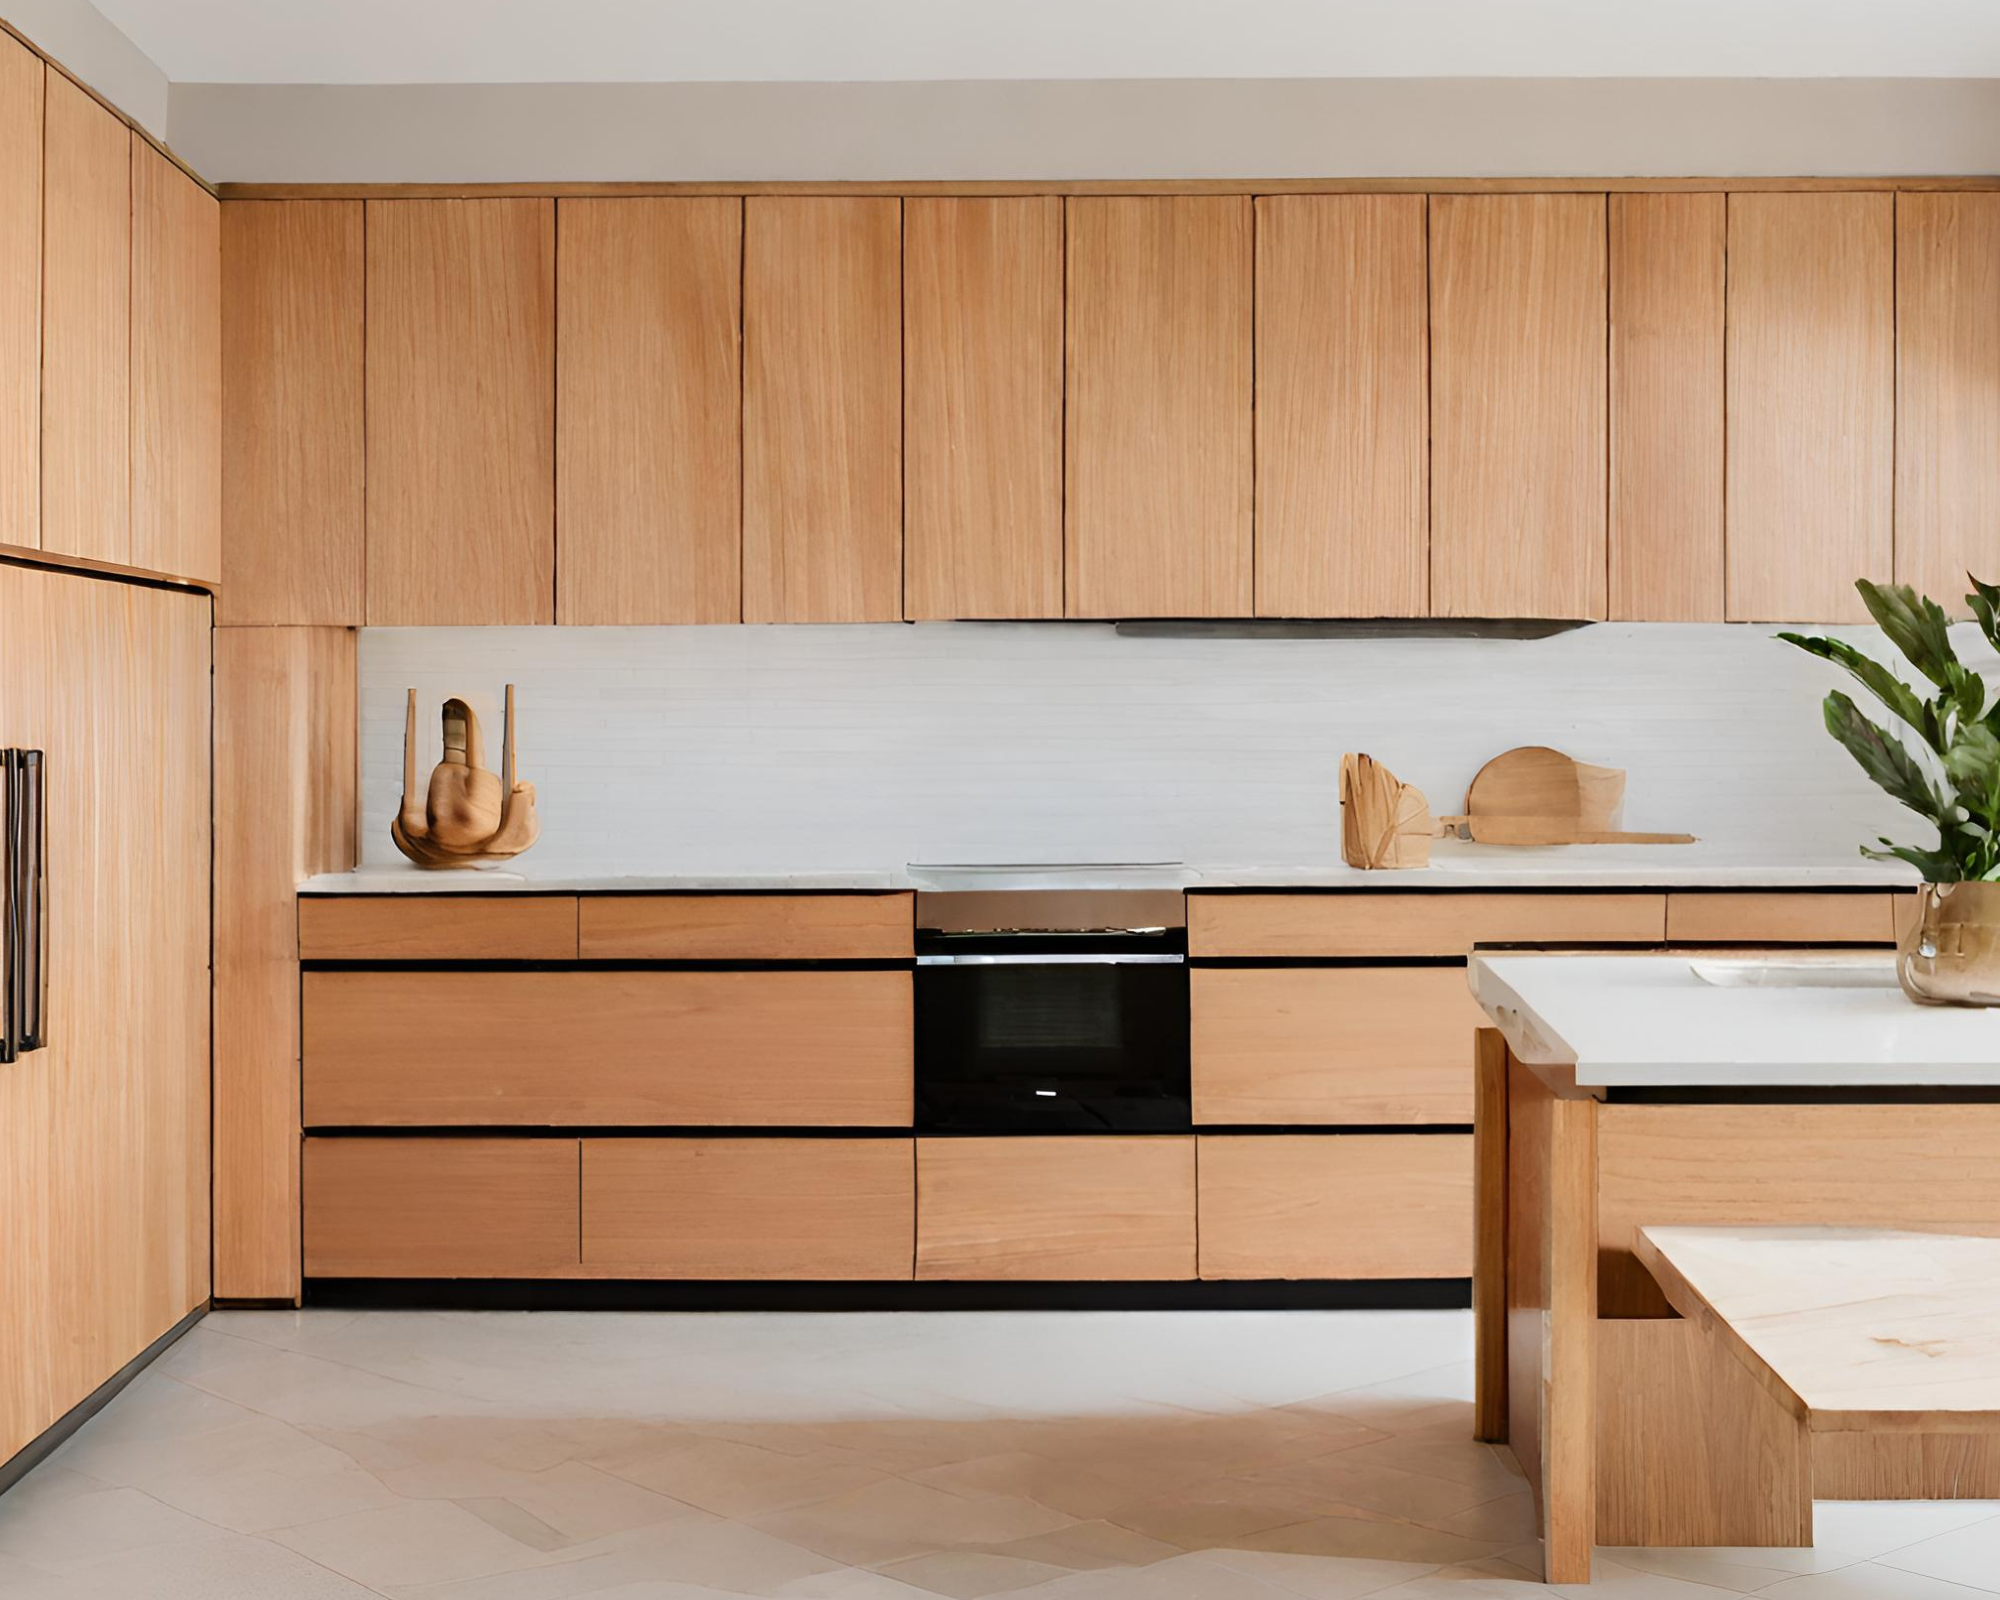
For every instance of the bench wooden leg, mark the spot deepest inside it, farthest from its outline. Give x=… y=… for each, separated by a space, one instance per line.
x=1569 y=1390
x=1489 y=1236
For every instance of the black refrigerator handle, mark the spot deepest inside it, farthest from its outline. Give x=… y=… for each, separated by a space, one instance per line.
x=10 y=907
x=23 y=925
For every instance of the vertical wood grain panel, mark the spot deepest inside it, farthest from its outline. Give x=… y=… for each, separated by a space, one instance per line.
x=1343 y=481
x=648 y=459
x=1811 y=398
x=1158 y=407
x=1518 y=411
x=285 y=798
x=20 y=294
x=293 y=519
x=982 y=407
x=1947 y=393
x=822 y=410
x=176 y=370
x=461 y=411
x=86 y=331
x=1666 y=406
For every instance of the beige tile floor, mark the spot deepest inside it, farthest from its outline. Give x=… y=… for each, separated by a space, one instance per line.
x=1066 y=1456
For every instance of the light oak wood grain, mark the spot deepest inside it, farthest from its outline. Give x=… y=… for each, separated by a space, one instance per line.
x=1335 y=1205
x=284 y=809
x=86 y=328
x=460 y=381
x=176 y=359
x=408 y=927
x=104 y=1159
x=982 y=408
x=818 y=1209
x=822 y=410
x=1947 y=397
x=743 y=927
x=598 y=1049
x=1332 y=1044
x=1489 y=1237
x=1518 y=404
x=1081 y=1207
x=1811 y=398
x=1905 y=1466
x=440 y=1208
x=20 y=295
x=1343 y=424
x=1666 y=551
x=293 y=514
x=1566 y=1394
x=1158 y=481
x=1387 y=923
x=649 y=376
x=1859 y=916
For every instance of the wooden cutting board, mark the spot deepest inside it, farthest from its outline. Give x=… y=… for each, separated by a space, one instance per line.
x=1535 y=795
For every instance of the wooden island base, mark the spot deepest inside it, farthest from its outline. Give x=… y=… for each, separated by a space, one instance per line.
x=1633 y=1425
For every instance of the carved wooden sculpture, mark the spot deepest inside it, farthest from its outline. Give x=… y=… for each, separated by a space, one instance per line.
x=1384 y=822
x=467 y=816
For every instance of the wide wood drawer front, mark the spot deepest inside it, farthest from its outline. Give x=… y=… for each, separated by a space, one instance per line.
x=748 y=927
x=1386 y=923
x=429 y=927
x=1087 y=1207
x=749 y=1208
x=1336 y=1206
x=1863 y=916
x=698 y=1049
x=440 y=1208
x=1332 y=1044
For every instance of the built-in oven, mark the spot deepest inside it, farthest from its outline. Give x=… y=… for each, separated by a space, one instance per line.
x=1052 y=1011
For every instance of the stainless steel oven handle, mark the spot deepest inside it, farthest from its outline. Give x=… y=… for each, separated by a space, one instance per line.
x=1070 y=958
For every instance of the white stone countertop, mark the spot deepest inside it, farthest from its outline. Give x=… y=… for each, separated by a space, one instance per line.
x=1801 y=1021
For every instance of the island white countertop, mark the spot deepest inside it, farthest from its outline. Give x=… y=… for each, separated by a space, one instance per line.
x=1672 y=1021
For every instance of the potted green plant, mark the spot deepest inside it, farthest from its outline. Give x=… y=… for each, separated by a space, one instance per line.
x=1947 y=770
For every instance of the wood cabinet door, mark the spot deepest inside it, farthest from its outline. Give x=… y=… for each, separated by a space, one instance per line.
x=21 y=74
x=1666 y=407
x=1947 y=393
x=86 y=327
x=461 y=412
x=1518 y=412
x=176 y=371
x=293 y=518
x=1158 y=407
x=649 y=482
x=822 y=410
x=1343 y=421
x=1811 y=403
x=982 y=408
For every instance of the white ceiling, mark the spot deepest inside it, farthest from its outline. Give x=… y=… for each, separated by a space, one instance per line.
x=669 y=41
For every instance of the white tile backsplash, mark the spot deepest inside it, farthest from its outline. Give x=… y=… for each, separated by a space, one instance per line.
x=812 y=749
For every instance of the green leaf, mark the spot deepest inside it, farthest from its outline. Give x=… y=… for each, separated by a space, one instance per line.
x=1973 y=765
x=1935 y=865
x=1916 y=626
x=1985 y=603
x=1894 y=694
x=1885 y=760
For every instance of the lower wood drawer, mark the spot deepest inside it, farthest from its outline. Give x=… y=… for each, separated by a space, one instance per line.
x=1384 y=922
x=1336 y=1206
x=1332 y=1044
x=480 y=926
x=748 y=927
x=1858 y=916
x=748 y=1208
x=719 y=1049
x=440 y=1208
x=1086 y=1207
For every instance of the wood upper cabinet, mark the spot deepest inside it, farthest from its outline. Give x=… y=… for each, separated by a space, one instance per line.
x=292 y=473
x=461 y=421
x=176 y=370
x=822 y=410
x=21 y=75
x=1666 y=406
x=86 y=327
x=1947 y=393
x=982 y=408
x=649 y=480
x=1158 y=407
x=1343 y=423
x=1810 y=403
x=1518 y=412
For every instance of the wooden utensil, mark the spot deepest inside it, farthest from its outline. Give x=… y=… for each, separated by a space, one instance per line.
x=1384 y=822
x=1535 y=795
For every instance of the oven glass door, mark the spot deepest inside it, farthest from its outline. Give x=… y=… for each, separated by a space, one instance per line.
x=1024 y=1040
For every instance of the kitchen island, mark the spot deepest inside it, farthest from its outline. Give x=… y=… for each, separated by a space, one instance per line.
x=1616 y=1092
